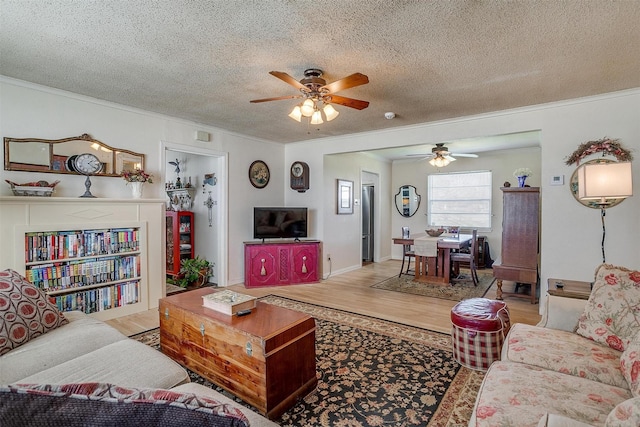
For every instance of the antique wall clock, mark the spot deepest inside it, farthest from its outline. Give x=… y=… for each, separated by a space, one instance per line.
x=299 y=177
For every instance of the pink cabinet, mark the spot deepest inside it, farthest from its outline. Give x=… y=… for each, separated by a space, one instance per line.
x=281 y=263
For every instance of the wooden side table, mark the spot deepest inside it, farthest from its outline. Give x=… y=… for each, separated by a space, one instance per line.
x=569 y=288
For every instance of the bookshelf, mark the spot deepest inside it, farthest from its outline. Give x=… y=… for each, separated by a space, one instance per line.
x=87 y=270
x=100 y=256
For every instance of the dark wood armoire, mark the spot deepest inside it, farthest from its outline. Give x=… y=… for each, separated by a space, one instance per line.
x=520 y=240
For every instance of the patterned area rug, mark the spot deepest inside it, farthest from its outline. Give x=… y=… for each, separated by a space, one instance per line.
x=373 y=372
x=462 y=288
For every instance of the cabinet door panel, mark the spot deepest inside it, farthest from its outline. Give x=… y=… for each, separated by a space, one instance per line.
x=305 y=263
x=263 y=266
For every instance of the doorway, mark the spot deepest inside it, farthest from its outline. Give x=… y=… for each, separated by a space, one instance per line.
x=209 y=201
x=370 y=220
x=368 y=230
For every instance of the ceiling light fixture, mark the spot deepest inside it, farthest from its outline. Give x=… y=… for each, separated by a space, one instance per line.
x=439 y=161
x=318 y=96
x=311 y=108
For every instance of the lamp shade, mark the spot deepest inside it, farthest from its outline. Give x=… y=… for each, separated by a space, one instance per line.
x=296 y=114
x=308 y=107
x=605 y=181
x=330 y=112
x=316 y=118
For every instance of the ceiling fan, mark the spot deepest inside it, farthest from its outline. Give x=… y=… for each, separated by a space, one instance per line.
x=440 y=155
x=318 y=95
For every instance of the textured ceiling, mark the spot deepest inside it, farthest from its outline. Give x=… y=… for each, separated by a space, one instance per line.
x=204 y=60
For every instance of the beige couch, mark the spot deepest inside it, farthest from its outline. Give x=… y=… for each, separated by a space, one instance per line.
x=86 y=350
x=549 y=375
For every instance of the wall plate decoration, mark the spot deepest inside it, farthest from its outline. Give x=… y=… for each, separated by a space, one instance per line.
x=259 y=174
x=299 y=177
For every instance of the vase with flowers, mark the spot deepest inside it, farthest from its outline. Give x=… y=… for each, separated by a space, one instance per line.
x=522 y=174
x=137 y=178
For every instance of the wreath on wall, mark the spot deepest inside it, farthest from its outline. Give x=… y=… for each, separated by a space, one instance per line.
x=605 y=145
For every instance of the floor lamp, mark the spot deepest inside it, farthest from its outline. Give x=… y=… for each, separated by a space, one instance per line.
x=605 y=182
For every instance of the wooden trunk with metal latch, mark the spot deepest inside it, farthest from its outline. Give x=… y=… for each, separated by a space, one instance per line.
x=266 y=358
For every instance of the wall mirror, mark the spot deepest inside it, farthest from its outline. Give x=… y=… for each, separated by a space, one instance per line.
x=407 y=201
x=52 y=155
x=574 y=186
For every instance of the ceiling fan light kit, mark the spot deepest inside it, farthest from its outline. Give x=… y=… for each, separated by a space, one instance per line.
x=441 y=157
x=439 y=161
x=318 y=95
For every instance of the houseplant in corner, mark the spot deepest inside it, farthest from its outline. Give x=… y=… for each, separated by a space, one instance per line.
x=194 y=272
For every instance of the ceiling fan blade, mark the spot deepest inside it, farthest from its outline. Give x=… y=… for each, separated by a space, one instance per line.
x=349 y=102
x=473 y=156
x=420 y=157
x=290 y=80
x=278 y=98
x=353 y=80
x=425 y=155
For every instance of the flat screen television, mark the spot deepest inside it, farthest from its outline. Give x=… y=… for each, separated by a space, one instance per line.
x=283 y=223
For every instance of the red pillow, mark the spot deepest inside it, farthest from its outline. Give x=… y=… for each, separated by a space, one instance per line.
x=25 y=311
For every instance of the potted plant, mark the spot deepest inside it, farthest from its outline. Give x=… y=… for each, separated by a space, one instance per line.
x=194 y=272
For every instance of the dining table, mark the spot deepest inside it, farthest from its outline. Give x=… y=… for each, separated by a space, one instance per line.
x=432 y=263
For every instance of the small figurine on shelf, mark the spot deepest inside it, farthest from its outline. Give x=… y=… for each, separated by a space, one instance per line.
x=177 y=165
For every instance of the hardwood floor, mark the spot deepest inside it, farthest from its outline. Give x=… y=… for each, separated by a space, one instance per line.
x=352 y=292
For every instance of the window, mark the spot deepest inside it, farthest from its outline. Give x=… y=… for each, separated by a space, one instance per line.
x=459 y=199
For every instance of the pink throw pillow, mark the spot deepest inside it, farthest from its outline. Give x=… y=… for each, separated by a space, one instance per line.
x=25 y=311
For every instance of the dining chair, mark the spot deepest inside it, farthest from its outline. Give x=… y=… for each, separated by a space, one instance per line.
x=407 y=254
x=456 y=258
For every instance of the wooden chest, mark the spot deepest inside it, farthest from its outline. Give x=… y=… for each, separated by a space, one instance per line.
x=266 y=358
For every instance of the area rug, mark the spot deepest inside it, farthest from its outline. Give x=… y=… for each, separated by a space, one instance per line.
x=372 y=372
x=462 y=288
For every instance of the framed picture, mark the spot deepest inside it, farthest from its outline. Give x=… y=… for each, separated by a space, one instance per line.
x=345 y=197
x=259 y=174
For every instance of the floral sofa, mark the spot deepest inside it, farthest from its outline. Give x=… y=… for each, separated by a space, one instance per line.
x=580 y=366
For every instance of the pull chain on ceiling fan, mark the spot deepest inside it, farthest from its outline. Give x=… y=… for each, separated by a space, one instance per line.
x=318 y=95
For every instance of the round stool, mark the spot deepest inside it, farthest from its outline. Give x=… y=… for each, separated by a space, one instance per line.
x=478 y=328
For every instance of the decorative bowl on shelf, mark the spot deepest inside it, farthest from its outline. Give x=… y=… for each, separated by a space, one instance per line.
x=435 y=233
x=38 y=188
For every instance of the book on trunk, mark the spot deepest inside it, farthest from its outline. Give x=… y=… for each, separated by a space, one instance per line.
x=228 y=302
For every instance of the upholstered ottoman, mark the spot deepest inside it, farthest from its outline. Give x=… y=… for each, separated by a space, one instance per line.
x=478 y=328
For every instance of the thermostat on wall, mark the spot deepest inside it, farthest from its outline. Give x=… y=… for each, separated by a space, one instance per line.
x=557 y=180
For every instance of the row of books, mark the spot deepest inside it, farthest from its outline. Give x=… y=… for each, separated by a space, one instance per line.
x=94 y=300
x=52 y=245
x=90 y=271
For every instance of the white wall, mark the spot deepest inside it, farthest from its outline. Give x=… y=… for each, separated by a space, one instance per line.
x=570 y=233
x=31 y=111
